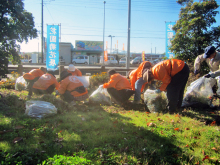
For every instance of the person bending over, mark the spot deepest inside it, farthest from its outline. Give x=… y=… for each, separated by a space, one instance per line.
x=118 y=87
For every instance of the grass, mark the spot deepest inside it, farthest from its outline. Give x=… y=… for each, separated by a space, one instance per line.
x=99 y=134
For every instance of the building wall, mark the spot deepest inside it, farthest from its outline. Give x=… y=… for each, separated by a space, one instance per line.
x=65 y=52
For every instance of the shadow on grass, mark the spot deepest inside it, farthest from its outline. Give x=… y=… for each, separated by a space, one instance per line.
x=89 y=128
x=203 y=113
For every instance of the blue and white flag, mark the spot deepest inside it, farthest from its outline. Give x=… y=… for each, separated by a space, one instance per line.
x=169 y=35
x=52 y=60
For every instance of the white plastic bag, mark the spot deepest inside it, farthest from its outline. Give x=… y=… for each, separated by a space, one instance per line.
x=20 y=84
x=156 y=102
x=199 y=92
x=84 y=80
x=40 y=109
x=101 y=96
x=218 y=84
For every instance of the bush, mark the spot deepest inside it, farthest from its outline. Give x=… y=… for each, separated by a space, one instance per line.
x=10 y=82
x=61 y=159
x=98 y=79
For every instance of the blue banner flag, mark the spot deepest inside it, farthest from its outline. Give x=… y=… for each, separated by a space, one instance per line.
x=169 y=35
x=52 y=60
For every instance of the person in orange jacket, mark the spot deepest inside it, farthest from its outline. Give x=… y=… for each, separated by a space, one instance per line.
x=71 y=89
x=46 y=84
x=174 y=74
x=118 y=87
x=74 y=71
x=136 y=80
x=31 y=77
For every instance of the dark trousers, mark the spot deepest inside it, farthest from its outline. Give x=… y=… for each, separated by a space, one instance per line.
x=49 y=90
x=175 y=90
x=30 y=84
x=120 y=95
x=67 y=96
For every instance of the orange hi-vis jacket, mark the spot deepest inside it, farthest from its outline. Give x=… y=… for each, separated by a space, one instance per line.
x=45 y=81
x=70 y=83
x=33 y=74
x=138 y=73
x=77 y=72
x=163 y=71
x=118 y=82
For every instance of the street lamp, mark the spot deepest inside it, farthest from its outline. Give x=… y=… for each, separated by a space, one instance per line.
x=111 y=42
x=104 y=34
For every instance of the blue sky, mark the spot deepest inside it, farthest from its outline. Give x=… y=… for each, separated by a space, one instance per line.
x=83 y=20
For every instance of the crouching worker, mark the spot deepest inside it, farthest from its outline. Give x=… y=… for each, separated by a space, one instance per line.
x=46 y=84
x=137 y=82
x=74 y=71
x=174 y=74
x=71 y=89
x=32 y=77
x=118 y=87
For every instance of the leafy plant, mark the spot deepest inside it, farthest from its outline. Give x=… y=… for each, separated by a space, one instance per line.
x=10 y=82
x=98 y=79
x=194 y=29
x=62 y=159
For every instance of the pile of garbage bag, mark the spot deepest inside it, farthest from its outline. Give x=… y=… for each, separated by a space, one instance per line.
x=39 y=109
x=100 y=96
x=199 y=92
x=155 y=102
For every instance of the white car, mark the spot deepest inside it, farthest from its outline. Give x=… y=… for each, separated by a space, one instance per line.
x=122 y=61
x=111 y=60
x=80 y=60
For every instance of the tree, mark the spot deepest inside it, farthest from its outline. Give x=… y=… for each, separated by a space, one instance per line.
x=194 y=29
x=16 y=25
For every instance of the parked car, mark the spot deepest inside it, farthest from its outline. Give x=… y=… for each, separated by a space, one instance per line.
x=81 y=60
x=122 y=61
x=111 y=60
x=137 y=60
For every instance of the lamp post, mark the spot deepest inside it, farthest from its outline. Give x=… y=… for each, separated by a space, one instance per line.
x=111 y=42
x=104 y=34
x=42 y=32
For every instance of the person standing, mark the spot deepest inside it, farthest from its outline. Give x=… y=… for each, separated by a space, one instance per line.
x=174 y=75
x=46 y=84
x=31 y=77
x=74 y=71
x=118 y=87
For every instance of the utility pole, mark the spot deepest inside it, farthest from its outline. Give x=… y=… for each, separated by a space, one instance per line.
x=42 y=33
x=129 y=25
x=104 y=35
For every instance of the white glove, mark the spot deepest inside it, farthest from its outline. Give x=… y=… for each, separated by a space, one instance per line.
x=100 y=86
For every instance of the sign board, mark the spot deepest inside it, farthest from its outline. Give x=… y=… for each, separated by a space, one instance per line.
x=106 y=55
x=143 y=56
x=52 y=59
x=169 y=35
x=88 y=45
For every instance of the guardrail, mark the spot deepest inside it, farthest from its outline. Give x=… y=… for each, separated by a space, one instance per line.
x=23 y=69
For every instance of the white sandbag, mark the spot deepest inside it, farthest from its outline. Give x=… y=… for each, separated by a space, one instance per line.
x=199 y=91
x=100 y=96
x=156 y=102
x=20 y=84
x=39 y=109
x=84 y=80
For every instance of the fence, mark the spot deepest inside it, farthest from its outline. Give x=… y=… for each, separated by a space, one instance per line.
x=20 y=69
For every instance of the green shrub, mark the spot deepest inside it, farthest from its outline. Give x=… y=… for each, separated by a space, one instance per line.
x=61 y=159
x=98 y=79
